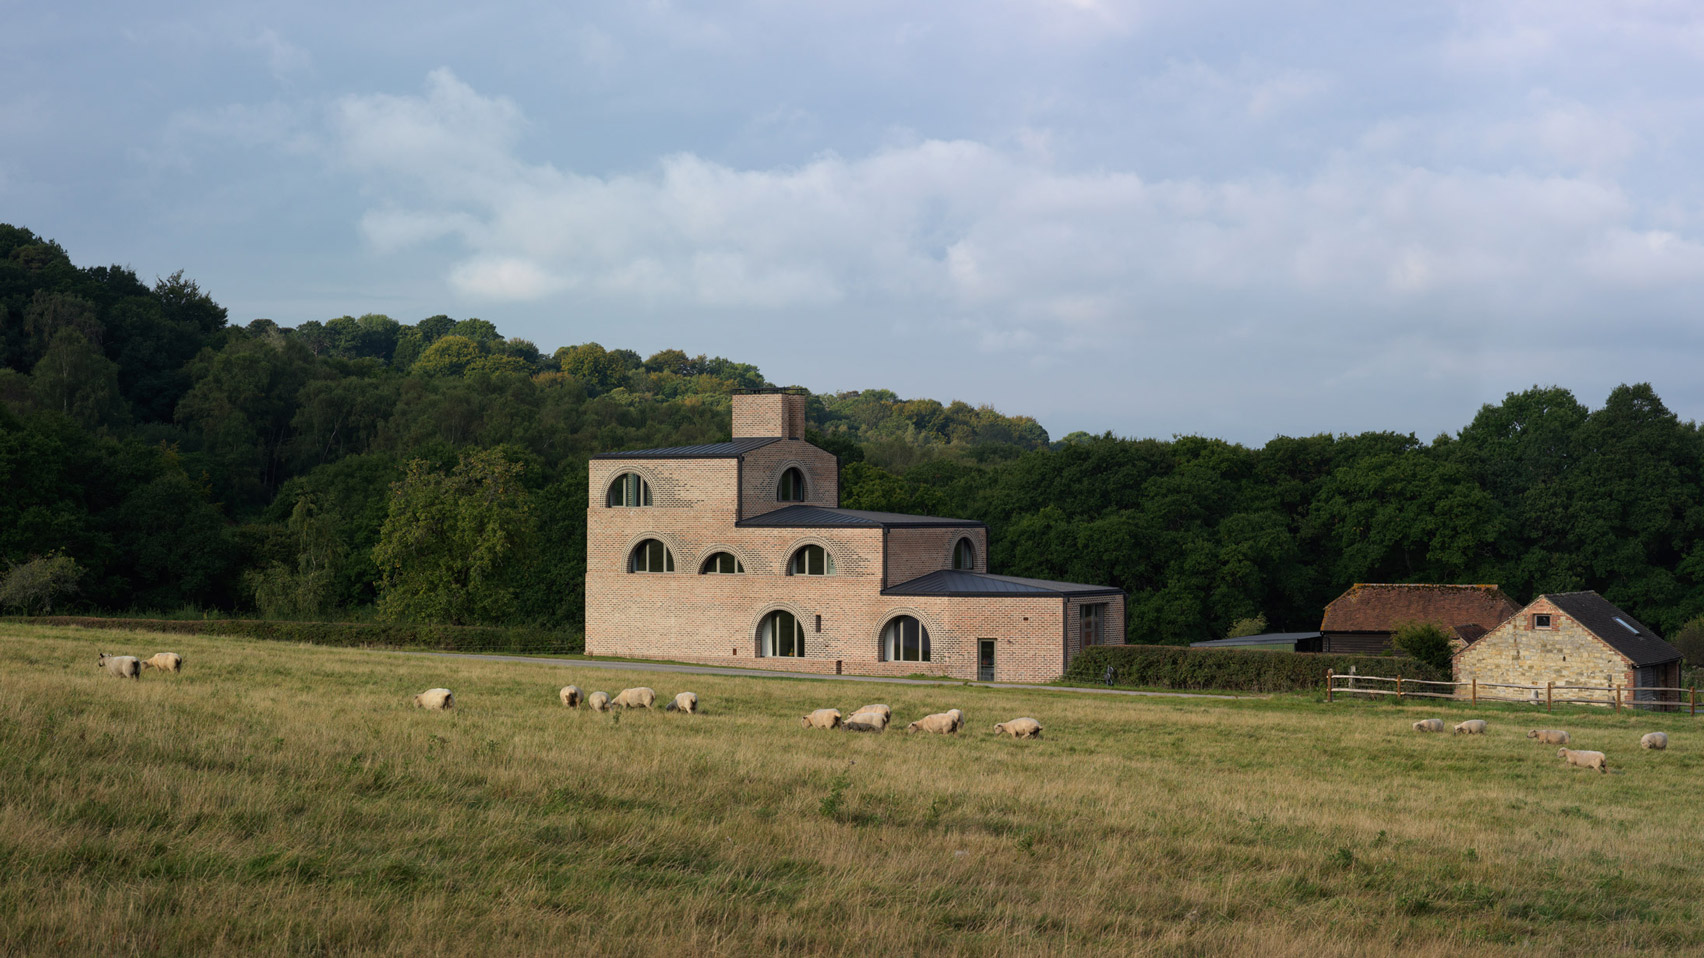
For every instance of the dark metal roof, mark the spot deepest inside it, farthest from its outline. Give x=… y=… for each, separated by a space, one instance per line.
x=714 y=450
x=1633 y=639
x=1269 y=638
x=956 y=582
x=823 y=517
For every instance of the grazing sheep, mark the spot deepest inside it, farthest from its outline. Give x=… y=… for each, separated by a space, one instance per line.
x=958 y=718
x=1656 y=740
x=941 y=723
x=1470 y=727
x=599 y=701
x=639 y=698
x=867 y=722
x=1429 y=725
x=885 y=712
x=1549 y=736
x=1584 y=759
x=821 y=718
x=165 y=662
x=120 y=666
x=684 y=702
x=436 y=699
x=1019 y=728
x=571 y=696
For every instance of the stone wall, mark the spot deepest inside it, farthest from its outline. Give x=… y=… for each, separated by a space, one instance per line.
x=1567 y=653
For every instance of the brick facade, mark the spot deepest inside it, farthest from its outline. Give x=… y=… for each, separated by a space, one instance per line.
x=687 y=615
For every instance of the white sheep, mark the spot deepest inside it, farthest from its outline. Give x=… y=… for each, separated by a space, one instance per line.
x=941 y=723
x=639 y=698
x=570 y=696
x=1470 y=727
x=1656 y=740
x=1584 y=759
x=1019 y=728
x=821 y=718
x=120 y=666
x=958 y=717
x=598 y=701
x=1429 y=725
x=867 y=722
x=441 y=699
x=1549 y=736
x=165 y=662
x=684 y=702
x=885 y=712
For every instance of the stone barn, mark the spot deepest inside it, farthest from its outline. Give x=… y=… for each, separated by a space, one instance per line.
x=1572 y=638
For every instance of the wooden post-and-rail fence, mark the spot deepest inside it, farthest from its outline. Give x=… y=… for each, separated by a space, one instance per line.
x=1668 y=699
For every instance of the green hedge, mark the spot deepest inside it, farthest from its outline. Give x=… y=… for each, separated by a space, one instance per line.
x=374 y=635
x=1235 y=670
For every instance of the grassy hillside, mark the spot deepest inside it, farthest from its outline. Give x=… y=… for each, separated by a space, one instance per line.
x=278 y=798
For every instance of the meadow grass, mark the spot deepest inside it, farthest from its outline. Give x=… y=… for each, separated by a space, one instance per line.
x=285 y=799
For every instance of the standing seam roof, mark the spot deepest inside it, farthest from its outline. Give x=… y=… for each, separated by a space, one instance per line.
x=824 y=516
x=1598 y=614
x=958 y=582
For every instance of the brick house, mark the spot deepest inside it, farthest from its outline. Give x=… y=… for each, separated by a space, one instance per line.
x=1572 y=638
x=1363 y=619
x=738 y=553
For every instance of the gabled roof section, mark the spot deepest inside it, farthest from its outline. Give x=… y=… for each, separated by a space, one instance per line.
x=955 y=582
x=1616 y=628
x=819 y=517
x=1283 y=640
x=714 y=450
x=1384 y=607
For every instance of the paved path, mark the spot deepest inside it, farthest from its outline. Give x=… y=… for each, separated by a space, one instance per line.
x=760 y=674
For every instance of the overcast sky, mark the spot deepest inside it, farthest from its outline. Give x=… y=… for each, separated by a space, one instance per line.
x=1233 y=218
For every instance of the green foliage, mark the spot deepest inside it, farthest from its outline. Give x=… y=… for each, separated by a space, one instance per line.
x=1689 y=639
x=449 y=356
x=33 y=586
x=1426 y=642
x=306 y=586
x=1233 y=670
x=361 y=635
x=453 y=544
x=1250 y=626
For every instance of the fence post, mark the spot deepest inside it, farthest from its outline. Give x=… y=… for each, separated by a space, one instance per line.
x=1328 y=674
x=1617 y=688
x=1692 y=698
x=1399 y=686
x=1548 y=686
x=1476 y=691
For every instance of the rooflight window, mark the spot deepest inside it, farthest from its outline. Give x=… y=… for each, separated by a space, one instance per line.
x=791 y=487
x=964 y=555
x=1626 y=626
x=628 y=490
x=811 y=560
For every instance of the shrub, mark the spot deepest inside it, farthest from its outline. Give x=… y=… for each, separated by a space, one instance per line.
x=33 y=585
x=1426 y=642
x=376 y=635
x=1690 y=641
x=1235 y=670
x=1242 y=627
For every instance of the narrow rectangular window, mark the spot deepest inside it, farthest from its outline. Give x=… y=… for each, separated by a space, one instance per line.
x=819 y=623
x=1094 y=623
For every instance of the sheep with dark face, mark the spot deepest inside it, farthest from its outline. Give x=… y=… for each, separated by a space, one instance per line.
x=570 y=696
x=1019 y=728
x=866 y=722
x=120 y=666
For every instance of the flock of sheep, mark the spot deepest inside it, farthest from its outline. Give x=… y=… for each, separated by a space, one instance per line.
x=130 y=667
x=1581 y=758
x=869 y=718
x=875 y=718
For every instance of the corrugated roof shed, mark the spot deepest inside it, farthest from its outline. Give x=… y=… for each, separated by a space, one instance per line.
x=809 y=517
x=958 y=582
x=1384 y=607
x=714 y=450
x=1624 y=633
x=1282 y=640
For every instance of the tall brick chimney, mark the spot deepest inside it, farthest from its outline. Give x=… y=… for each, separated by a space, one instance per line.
x=761 y=414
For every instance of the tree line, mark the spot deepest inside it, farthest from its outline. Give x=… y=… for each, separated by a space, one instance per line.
x=157 y=457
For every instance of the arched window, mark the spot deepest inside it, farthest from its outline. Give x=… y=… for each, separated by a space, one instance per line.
x=722 y=563
x=904 y=639
x=650 y=556
x=791 y=488
x=628 y=489
x=964 y=555
x=781 y=634
x=811 y=560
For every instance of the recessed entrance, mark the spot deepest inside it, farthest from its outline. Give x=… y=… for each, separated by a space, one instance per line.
x=984 y=660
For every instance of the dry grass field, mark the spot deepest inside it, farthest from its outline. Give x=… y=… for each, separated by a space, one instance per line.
x=280 y=799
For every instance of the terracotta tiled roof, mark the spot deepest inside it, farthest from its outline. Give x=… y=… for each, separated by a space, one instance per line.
x=1378 y=607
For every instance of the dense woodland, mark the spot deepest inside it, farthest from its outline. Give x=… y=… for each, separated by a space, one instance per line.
x=157 y=458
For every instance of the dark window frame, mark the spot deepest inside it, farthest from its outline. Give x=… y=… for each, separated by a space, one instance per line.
x=791 y=486
x=1091 y=623
x=964 y=555
x=630 y=490
x=801 y=561
x=718 y=557
x=896 y=645
x=656 y=552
